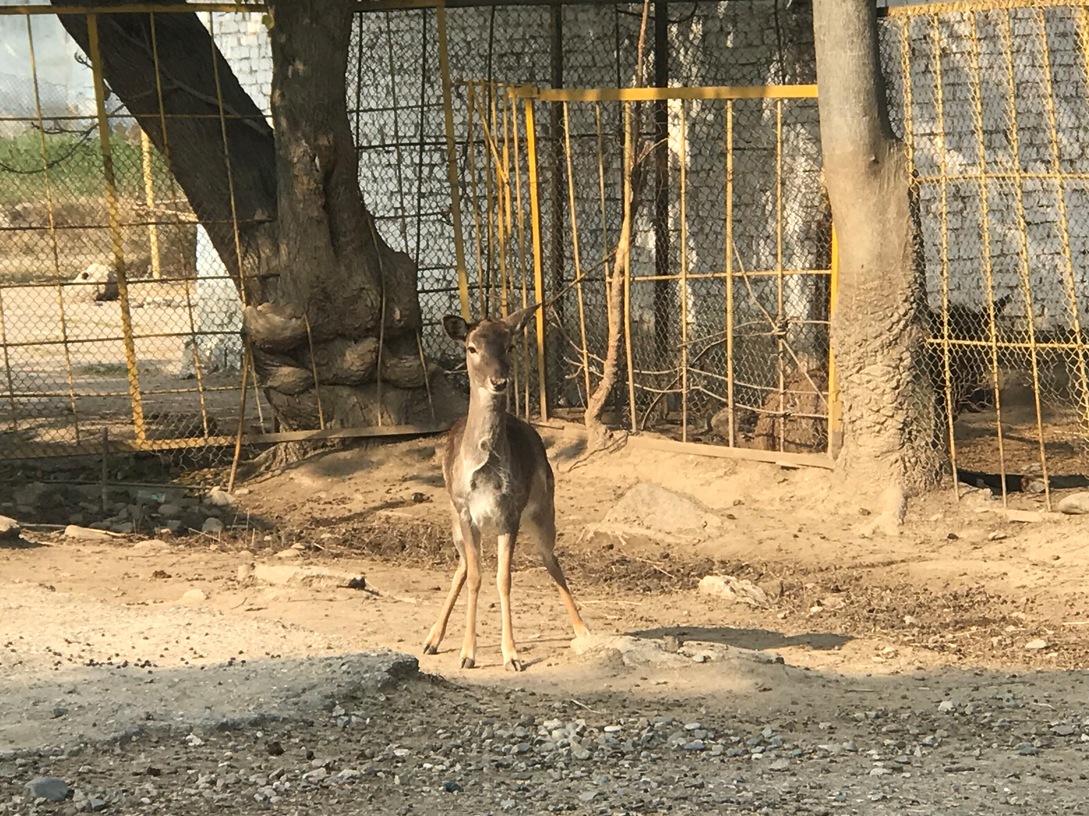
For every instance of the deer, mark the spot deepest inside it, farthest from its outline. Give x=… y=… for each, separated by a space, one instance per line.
x=498 y=476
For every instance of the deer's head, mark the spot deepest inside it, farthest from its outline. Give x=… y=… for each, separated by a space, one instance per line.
x=488 y=345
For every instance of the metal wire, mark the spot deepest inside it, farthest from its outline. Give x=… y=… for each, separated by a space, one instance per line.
x=991 y=101
x=749 y=372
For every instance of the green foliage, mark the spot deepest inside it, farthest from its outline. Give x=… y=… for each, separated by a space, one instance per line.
x=73 y=166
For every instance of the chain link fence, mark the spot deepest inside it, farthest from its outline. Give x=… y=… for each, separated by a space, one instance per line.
x=119 y=316
x=726 y=343
x=992 y=104
x=119 y=325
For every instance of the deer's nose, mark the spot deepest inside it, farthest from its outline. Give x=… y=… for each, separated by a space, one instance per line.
x=498 y=384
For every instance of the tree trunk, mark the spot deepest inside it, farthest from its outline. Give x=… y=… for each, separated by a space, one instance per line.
x=331 y=310
x=879 y=325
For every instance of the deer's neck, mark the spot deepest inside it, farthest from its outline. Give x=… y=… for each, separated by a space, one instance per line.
x=485 y=429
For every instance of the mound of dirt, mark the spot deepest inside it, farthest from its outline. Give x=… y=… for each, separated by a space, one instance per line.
x=651 y=510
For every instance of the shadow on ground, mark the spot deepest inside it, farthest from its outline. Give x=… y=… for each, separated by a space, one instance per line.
x=754 y=639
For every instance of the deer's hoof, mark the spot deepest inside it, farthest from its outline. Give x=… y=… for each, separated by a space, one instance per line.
x=515 y=665
x=431 y=650
x=468 y=663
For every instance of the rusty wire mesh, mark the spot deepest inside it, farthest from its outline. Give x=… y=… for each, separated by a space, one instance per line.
x=118 y=321
x=992 y=105
x=178 y=381
x=727 y=341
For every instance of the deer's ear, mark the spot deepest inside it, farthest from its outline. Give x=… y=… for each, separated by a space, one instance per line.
x=456 y=327
x=520 y=319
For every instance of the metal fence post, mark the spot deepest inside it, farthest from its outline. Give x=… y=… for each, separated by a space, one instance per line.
x=115 y=230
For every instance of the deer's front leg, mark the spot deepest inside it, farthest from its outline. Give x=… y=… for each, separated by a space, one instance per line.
x=503 y=581
x=471 y=537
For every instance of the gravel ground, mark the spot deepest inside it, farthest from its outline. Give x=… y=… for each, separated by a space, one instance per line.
x=429 y=746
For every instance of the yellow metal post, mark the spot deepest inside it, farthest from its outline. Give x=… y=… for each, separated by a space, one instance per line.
x=149 y=199
x=115 y=229
x=682 y=160
x=730 y=397
x=538 y=270
x=452 y=162
x=524 y=383
x=835 y=410
x=575 y=246
x=625 y=239
x=52 y=226
x=975 y=83
x=939 y=111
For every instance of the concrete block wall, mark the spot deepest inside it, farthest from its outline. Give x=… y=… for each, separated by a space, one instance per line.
x=403 y=162
x=971 y=129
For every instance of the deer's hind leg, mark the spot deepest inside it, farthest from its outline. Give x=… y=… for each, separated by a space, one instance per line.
x=541 y=517
x=438 y=631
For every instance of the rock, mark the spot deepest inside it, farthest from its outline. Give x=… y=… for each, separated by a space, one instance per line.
x=218 y=497
x=194 y=596
x=1036 y=645
x=169 y=511
x=653 y=511
x=627 y=650
x=212 y=525
x=733 y=589
x=313 y=577
x=245 y=572
x=451 y=787
x=9 y=529
x=1076 y=504
x=49 y=788
x=87 y=533
x=122 y=527
x=98 y=282
x=1026 y=516
x=1026 y=749
x=150 y=545
x=947 y=706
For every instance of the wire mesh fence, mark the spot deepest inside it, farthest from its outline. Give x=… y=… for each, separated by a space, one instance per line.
x=728 y=340
x=992 y=104
x=117 y=312
x=118 y=322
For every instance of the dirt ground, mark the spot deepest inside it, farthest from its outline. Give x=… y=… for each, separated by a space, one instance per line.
x=938 y=669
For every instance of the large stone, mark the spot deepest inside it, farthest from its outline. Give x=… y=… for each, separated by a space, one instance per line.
x=10 y=529
x=654 y=512
x=49 y=788
x=733 y=589
x=98 y=282
x=218 y=497
x=312 y=577
x=1076 y=504
x=87 y=533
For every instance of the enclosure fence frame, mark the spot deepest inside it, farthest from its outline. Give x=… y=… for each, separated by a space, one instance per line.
x=525 y=100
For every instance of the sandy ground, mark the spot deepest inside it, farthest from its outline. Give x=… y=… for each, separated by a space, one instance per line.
x=939 y=669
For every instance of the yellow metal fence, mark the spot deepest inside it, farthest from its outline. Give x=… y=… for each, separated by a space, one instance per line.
x=993 y=101
x=100 y=309
x=726 y=342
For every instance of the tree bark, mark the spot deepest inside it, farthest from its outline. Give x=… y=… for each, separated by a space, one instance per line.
x=331 y=310
x=879 y=324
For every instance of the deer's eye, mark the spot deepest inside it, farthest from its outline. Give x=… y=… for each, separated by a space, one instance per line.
x=472 y=349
